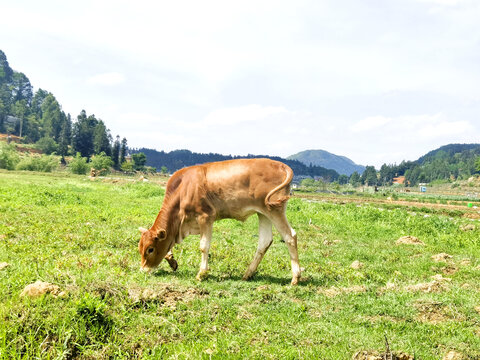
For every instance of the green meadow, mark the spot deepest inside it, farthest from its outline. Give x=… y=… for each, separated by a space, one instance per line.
x=360 y=291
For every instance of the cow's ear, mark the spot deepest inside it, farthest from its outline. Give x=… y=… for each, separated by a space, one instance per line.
x=142 y=230
x=162 y=234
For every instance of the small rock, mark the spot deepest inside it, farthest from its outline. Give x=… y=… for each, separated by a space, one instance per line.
x=39 y=288
x=356 y=265
x=4 y=265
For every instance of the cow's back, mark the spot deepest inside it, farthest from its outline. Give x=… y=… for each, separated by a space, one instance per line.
x=238 y=188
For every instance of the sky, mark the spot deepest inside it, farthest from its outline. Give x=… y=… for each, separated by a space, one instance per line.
x=377 y=81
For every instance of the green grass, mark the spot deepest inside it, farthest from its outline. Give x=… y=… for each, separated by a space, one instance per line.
x=82 y=236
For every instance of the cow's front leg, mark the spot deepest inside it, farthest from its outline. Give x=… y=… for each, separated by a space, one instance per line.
x=171 y=261
x=206 y=237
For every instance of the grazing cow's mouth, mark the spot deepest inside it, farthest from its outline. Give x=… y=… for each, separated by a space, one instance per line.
x=146 y=269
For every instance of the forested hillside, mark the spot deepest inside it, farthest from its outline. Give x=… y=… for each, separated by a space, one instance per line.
x=38 y=118
x=178 y=159
x=447 y=162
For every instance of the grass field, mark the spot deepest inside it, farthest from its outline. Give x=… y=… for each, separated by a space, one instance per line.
x=82 y=236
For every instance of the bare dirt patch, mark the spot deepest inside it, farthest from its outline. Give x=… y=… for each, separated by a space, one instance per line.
x=375 y=355
x=409 y=240
x=438 y=283
x=40 y=288
x=466 y=262
x=467 y=227
x=432 y=312
x=441 y=257
x=453 y=355
x=165 y=295
x=331 y=242
x=449 y=270
x=356 y=265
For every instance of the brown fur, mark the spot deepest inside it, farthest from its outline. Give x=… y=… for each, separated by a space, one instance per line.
x=197 y=196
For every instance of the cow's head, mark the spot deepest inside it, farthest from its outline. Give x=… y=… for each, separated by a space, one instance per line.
x=153 y=247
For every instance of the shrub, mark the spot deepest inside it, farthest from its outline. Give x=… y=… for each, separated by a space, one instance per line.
x=8 y=157
x=102 y=162
x=78 y=165
x=127 y=167
x=38 y=163
x=47 y=145
x=150 y=170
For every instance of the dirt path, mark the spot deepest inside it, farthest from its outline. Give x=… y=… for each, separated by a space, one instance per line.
x=467 y=212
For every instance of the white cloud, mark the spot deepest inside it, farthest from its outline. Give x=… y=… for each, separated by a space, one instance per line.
x=445 y=128
x=243 y=114
x=106 y=79
x=370 y=123
x=442 y=2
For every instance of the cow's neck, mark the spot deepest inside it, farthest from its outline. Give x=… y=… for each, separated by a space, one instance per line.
x=167 y=219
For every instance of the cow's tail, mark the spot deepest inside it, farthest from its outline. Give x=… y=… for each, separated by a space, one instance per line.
x=282 y=199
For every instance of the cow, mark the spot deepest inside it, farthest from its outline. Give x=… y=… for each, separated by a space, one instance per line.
x=197 y=196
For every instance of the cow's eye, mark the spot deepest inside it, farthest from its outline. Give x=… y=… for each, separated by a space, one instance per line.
x=149 y=250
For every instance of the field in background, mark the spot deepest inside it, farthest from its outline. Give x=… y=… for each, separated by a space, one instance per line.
x=359 y=288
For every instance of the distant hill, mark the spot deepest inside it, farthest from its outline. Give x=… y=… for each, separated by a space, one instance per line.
x=340 y=164
x=177 y=159
x=454 y=153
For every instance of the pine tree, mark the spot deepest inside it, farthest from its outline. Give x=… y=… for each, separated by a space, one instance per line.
x=116 y=153
x=83 y=134
x=123 y=151
x=101 y=141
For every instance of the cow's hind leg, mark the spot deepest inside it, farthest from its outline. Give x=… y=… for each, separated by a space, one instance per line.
x=205 y=238
x=264 y=242
x=280 y=222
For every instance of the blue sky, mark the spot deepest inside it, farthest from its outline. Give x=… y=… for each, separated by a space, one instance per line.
x=376 y=81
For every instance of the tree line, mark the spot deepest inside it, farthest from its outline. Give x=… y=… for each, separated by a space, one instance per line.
x=38 y=118
x=177 y=159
